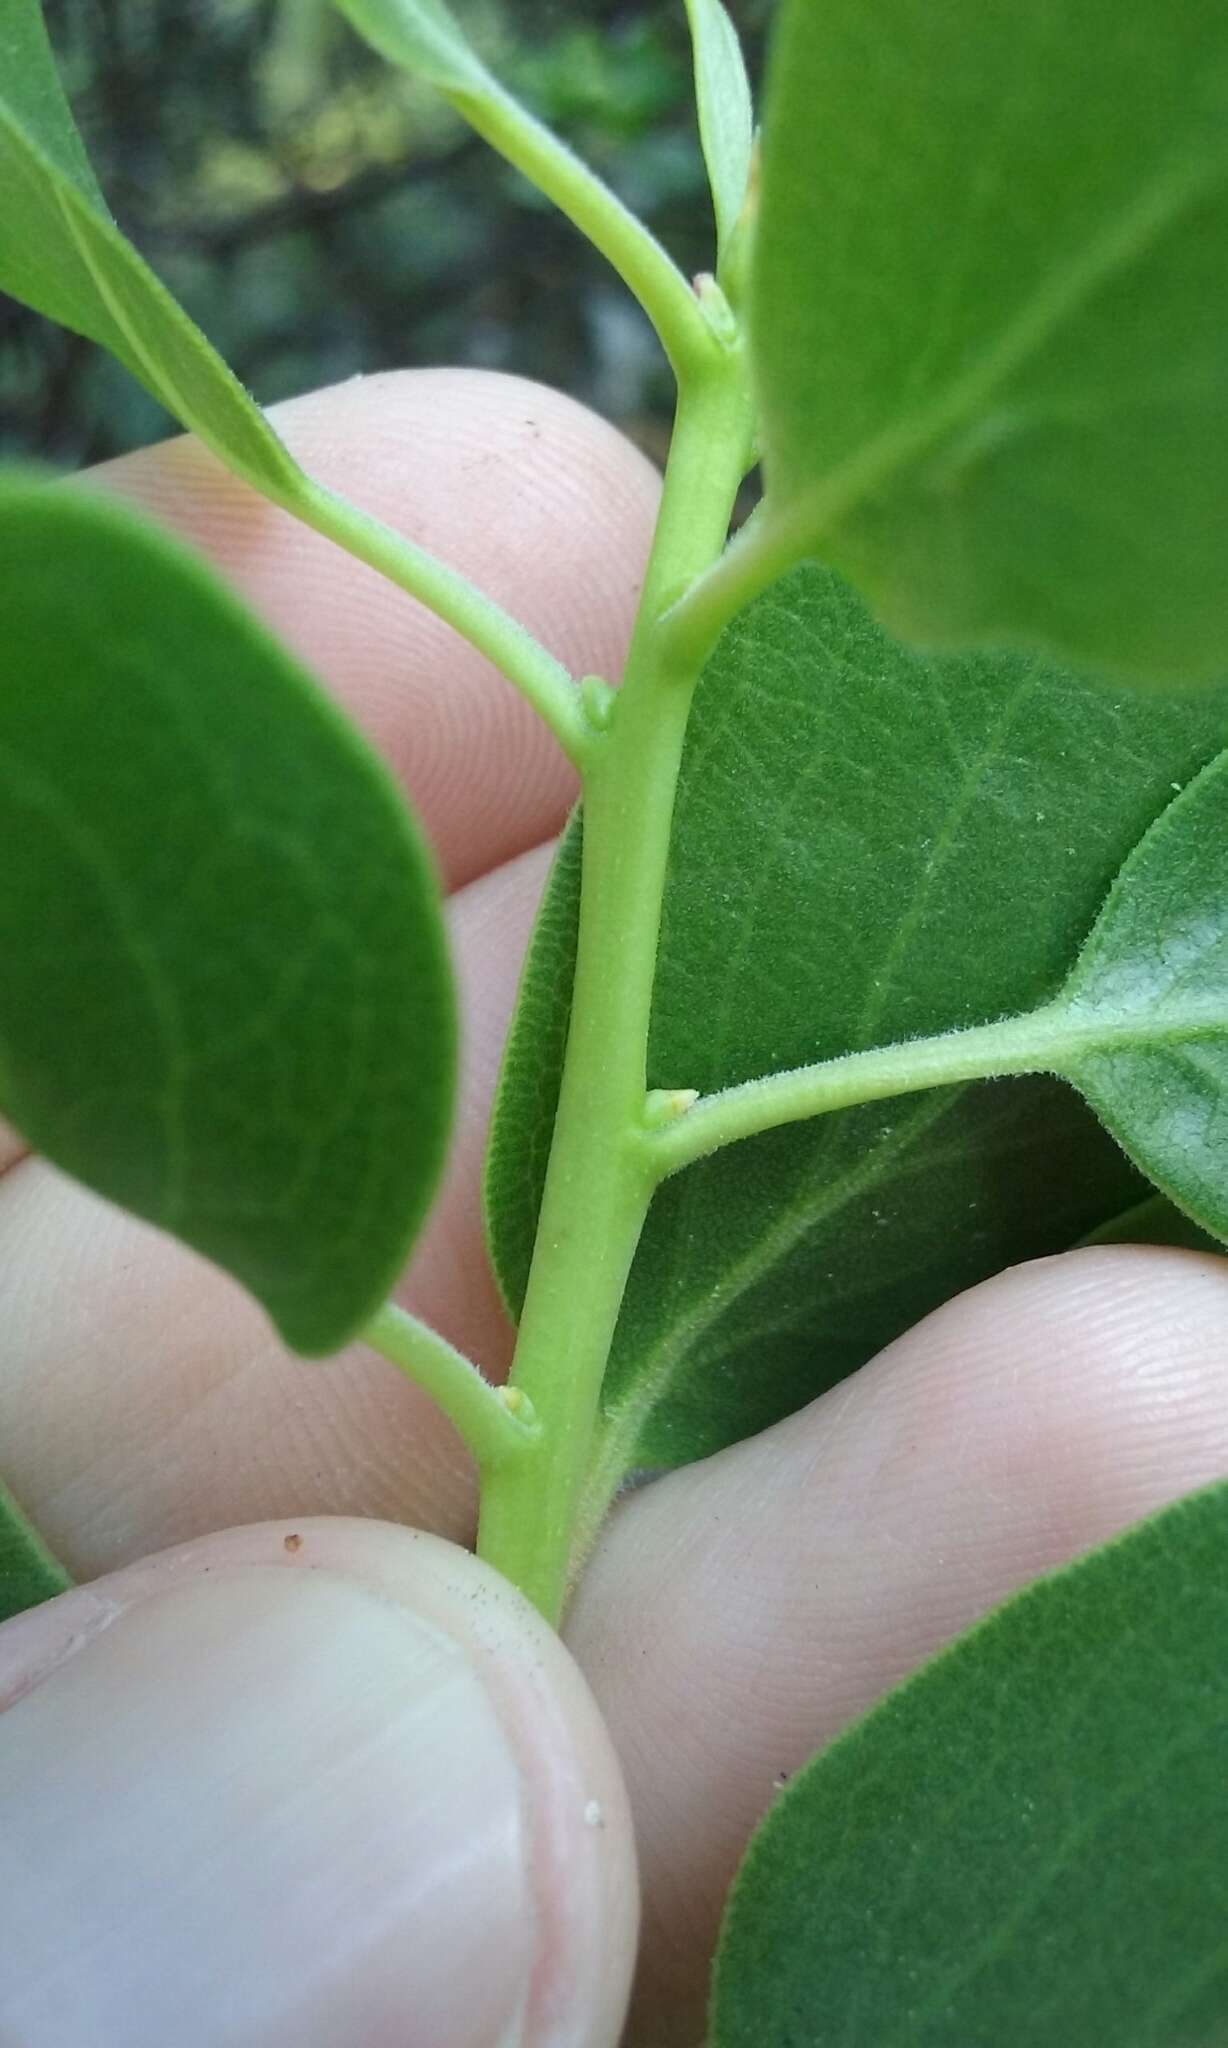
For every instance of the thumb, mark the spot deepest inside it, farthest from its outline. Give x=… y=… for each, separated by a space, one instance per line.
x=306 y=1784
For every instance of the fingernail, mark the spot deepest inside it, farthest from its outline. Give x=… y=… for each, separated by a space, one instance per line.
x=263 y=1807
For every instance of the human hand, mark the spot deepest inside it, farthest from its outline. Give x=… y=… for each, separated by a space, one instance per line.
x=324 y=1781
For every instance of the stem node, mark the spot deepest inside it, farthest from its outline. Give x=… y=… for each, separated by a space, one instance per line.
x=497 y=1423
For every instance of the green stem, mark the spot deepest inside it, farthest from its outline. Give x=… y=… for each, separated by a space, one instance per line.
x=1048 y=1040
x=600 y=1177
x=627 y=245
x=477 y=618
x=496 y=1423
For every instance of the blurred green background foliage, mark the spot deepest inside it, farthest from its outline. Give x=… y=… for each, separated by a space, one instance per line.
x=322 y=216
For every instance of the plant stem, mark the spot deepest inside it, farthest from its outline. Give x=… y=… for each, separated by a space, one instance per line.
x=496 y=1425
x=460 y=604
x=600 y=1177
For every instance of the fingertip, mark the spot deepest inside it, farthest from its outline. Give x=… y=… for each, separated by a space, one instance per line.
x=324 y=1782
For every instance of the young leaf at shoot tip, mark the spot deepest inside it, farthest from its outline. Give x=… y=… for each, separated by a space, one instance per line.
x=726 y=115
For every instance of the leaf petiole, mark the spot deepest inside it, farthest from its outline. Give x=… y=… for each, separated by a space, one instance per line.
x=620 y=236
x=1049 y=1040
x=541 y=679
x=421 y=37
x=497 y=1423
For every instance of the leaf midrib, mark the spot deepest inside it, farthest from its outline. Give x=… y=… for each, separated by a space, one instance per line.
x=961 y=803
x=1076 y=1837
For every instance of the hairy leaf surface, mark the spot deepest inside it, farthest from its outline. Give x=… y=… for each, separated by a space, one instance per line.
x=869 y=845
x=61 y=252
x=1151 y=992
x=726 y=116
x=988 y=312
x=1027 y=1843
x=226 y=1001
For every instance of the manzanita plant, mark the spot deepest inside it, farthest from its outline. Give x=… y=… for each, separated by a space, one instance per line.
x=889 y=944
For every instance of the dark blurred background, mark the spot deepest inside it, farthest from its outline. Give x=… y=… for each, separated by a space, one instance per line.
x=319 y=214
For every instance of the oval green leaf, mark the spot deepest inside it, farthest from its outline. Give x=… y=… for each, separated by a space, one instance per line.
x=61 y=252
x=1147 y=1004
x=988 y=309
x=869 y=845
x=226 y=1002
x=726 y=115
x=1025 y=1845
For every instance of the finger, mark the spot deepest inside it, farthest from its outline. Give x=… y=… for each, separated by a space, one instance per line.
x=738 y=1614
x=146 y=1400
x=538 y=501
x=310 y=1785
